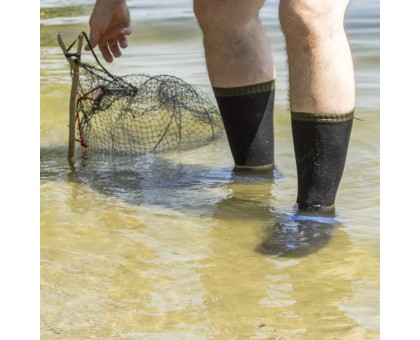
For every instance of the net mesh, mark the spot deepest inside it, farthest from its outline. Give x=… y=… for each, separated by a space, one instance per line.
x=140 y=113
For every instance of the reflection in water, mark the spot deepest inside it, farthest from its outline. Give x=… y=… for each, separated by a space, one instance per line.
x=298 y=235
x=151 y=180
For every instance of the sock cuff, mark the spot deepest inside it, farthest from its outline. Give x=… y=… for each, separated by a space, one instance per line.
x=244 y=90
x=322 y=117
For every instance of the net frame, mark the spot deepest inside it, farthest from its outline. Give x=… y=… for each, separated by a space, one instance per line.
x=73 y=59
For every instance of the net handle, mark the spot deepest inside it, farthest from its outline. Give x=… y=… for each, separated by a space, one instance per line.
x=73 y=59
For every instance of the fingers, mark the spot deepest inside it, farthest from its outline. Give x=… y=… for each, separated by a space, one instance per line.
x=126 y=30
x=115 y=49
x=106 y=54
x=123 y=42
x=122 y=39
x=111 y=48
x=94 y=37
x=109 y=45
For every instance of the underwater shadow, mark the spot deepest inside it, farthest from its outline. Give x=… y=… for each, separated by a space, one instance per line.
x=292 y=235
x=222 y=193
x=298 y=235
x=149 y=179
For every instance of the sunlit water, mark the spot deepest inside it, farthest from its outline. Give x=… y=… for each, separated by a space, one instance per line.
x=165 y=246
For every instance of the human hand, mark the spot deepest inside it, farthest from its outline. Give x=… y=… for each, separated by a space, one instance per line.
x=110 y=25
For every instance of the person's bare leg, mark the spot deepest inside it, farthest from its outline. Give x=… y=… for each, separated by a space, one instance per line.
x=322 y=95
x=241 y=71
x=321 y=76
x=236 y=48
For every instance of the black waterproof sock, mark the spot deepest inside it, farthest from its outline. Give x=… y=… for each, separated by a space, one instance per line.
x=247 y=114
x=321 y=142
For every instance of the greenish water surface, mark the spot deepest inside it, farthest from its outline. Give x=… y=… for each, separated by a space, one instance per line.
x=164 y=246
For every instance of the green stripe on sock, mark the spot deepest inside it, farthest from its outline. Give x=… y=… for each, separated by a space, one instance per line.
x=322 y=117
x=244 y=90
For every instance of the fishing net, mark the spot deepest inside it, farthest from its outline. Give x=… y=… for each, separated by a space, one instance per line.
x=138 y=113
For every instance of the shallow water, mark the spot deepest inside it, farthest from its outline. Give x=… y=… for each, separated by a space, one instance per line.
x=165 y=246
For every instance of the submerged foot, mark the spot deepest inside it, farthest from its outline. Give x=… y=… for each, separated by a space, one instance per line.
x=299 y=235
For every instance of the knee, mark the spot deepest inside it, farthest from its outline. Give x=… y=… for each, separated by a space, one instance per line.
x=307 y=19
x=225 y=16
